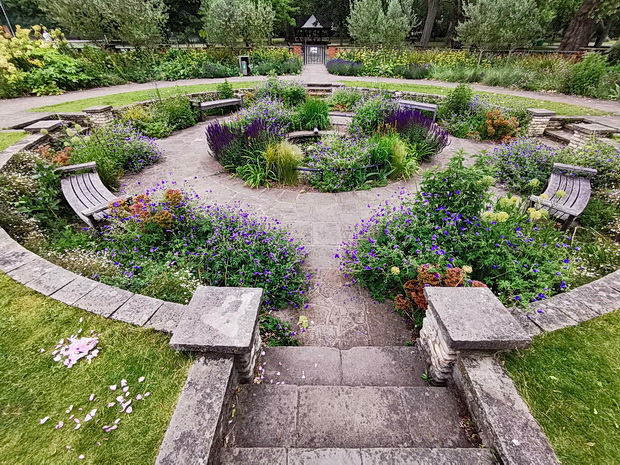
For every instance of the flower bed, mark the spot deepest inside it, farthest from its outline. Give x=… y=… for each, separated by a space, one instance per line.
x=384 y=141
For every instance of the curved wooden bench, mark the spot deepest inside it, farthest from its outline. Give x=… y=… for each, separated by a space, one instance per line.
x=85 y=192
x=575 y=181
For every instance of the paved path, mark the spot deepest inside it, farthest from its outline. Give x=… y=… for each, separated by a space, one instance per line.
x=343 y=316
x=15 y=110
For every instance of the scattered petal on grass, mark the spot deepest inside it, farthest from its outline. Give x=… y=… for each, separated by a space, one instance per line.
x=120 y=399
x=81 y=457
x=43 y=420
x=125 y=389
x=146 y=394
x=141 y=379
x=123 y=382
x=113 y=387
x=117 y=421
x=92 y=397
x=129 y=409
x=111 y=404
x=69 y=409
x=59 y=425
x=139 y=396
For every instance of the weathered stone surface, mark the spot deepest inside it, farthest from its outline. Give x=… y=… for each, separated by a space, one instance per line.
x=383 y=366
x=601 y=296
x=97 y=109
x=592 y=128
x=305 y=365
x=266 y=416
x=137 y=310
x=550 y=318
x=166 y=318
x=192 y=434
x=219 y=319
x=556 y=306
x=103 y=299
x=522 y=317
x=48 y=125
x=31 y=270
x=75 y=290
x=474 y=319
x=13 y=258
x=253 y=456
x=540 y=112
x=503 y=418
x=423 y=456
x=52 y=280
x=437 y=408
x=324 y=457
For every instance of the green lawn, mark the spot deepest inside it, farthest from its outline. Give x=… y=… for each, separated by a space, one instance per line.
x=9 y=138
x=125 y=98
x=571 y=381
x=35 y=387
x=562 y=109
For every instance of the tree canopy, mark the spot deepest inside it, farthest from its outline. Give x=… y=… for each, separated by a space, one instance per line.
x=227 y=22
x=370 y=25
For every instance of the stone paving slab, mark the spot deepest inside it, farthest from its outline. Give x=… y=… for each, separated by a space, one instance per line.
x=266 y=416
x=52 y=280
x=137 y=310
x=383 y=366
x=75 y=290
x=349 y=417
x=103 y=300
x=167 y=317
x=324 y=457
x=427 y=456
x=13 y=258
x=192 y=433
x=31 y=270
x=306 y=365
x=253 y=456
x=48 y=125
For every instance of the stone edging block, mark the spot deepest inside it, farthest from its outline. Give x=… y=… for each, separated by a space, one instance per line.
x=503 y=417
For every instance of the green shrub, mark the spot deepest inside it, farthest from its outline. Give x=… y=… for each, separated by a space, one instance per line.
x=457 y=102
x=604 y=158
x=146 y=121
x=586 y=75
x=276 y=332
x=225 y=90
x=176 y=111
x=313 y=113
x=370 y=113
x=282 y=161
x=344 y=99
x=291 y=93
x=215 y=70
x=401 y=163
x=599 y=215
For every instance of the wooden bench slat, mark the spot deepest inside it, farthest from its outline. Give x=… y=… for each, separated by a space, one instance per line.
x=82 y=166
x=87 y=197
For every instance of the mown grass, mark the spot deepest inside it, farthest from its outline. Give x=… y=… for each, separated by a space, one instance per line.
x=571 y=381
x=34 y=386
x=562 y=109
x=9 y=138
x=125 y=98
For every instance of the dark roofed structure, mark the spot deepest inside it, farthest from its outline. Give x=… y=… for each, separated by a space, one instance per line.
x=311 y=29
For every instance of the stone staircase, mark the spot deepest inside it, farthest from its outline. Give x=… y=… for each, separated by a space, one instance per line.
x=362 y=406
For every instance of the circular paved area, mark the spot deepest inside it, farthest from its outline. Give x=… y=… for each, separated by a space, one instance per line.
x=343 y=316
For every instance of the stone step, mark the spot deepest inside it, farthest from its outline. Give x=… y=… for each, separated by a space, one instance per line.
x=48 y=125
x=359 y=366
x=559 y=135
x=426 y=456
x=268 y=415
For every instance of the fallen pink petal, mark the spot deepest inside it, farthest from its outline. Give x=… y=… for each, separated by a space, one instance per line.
x=43 y=420
x=141 y=379
x=59 y=425
x=113 y=387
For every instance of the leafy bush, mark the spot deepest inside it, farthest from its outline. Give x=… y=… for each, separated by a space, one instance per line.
x=276 y=60
x=370 y=114
x=290 y=93
x=313 y=113
x=604 y=158
x=344 y=99
x=282 y=161
x=457 y=102
x=440 y=228
x=586 y=75
x=600 y=215
x=215 y=70
x=518 y=163
x=115 y=148
x=414 y=71
x=499 y=128
x=273 y=112
x=421 y=133
x=144 y=120
x=225 y=90
x=167 y=233
x=176 y=111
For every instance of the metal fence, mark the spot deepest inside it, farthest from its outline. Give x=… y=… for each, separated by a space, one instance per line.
x=314 y=54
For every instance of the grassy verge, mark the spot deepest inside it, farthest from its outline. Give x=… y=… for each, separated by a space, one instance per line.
x=562 y=109
x=35 y=387
x=9 y=138
x=571 y=381
x=125 y=98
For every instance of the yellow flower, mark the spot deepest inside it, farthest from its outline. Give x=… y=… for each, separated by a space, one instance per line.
x=534 y=183
x=501 y=217
x=534 y=214
x=544 y=196
x=488 y=216
x=467 y=269
x=560 y=194
x=395 y=270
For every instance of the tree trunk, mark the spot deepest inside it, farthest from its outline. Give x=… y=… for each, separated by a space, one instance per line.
x=458 y=16
x=581 y=27
x=603 y=32
x=430 y=21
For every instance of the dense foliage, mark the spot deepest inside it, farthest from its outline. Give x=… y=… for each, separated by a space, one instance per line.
x=593 y=75
x=162 y=117
x=453 y=223
x=29 y=64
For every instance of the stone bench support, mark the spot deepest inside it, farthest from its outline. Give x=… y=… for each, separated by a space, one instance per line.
x=540 y=121
x=584 y=132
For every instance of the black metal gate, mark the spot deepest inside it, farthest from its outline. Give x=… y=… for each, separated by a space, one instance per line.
x=314 y=54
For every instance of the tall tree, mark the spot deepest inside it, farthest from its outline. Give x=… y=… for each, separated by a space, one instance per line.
x=585 y=21
x=183 y=19
x=26 y=13
x=136 y=22
x=227 y=22
x=498 y=24
x=431 y=13
x=371 y=26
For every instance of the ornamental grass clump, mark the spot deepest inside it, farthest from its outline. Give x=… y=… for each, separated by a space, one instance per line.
x=452 y=223
x=282 y=160
x=168 y=234
x=313 y=113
